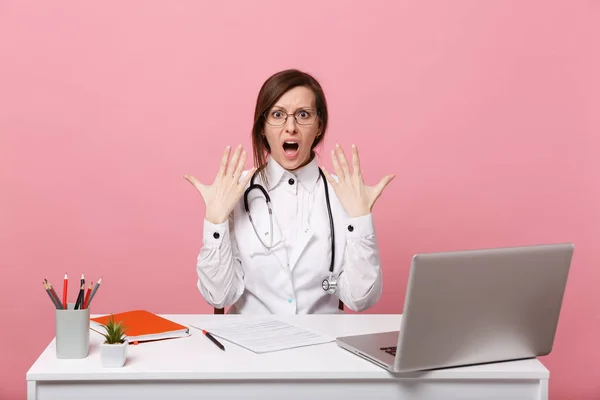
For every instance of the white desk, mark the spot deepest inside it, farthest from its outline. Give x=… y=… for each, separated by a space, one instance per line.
x=194 y=368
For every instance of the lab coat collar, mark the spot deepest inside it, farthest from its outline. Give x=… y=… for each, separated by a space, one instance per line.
x=307 y=176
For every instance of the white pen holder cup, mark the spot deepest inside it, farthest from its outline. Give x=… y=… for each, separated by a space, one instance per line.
x=72 y=332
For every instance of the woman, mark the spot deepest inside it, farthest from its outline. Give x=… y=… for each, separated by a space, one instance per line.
x=280 y=263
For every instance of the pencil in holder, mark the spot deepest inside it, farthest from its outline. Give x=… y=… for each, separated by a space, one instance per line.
x=72 y=332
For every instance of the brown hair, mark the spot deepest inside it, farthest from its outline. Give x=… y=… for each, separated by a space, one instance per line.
x=273 y=88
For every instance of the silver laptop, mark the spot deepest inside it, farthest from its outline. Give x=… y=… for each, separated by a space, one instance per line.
x=472 y=307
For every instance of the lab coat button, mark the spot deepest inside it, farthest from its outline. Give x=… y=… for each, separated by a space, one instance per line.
x=290 y=300
x=291 y=181
x=350 y=228
x=216 y=235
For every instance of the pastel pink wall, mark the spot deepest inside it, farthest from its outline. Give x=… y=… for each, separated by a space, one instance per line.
x=488 y=112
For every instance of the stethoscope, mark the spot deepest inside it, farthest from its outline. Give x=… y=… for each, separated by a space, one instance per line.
x=329 y=284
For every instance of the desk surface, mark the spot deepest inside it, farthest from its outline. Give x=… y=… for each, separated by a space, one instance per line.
x=196 y=358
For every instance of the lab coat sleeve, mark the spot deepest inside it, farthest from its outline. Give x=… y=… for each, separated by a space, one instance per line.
x=220 y=274
x=360 y=283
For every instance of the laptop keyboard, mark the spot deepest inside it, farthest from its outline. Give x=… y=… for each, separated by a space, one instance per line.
x=390 y=350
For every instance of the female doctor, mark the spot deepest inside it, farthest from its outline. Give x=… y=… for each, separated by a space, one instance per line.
x=317 y=245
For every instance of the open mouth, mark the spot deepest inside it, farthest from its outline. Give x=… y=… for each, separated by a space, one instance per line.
x=290 y=148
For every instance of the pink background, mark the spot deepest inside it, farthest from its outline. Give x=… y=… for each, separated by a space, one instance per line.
x=488 y=112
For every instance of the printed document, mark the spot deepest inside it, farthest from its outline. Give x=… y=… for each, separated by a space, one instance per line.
x=262 y=335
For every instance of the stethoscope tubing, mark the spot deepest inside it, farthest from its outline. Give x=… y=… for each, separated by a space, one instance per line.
x=268 y=200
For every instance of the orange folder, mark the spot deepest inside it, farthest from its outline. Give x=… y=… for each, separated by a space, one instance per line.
x=142 y=325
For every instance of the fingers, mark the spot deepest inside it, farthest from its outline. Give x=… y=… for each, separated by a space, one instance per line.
x=191 y=179
x=336 y=165
x=240 y=167
x=329 y=178
x=247 y=178
x=233 y=161
x=384 y=182
x=355 y=161
x=224 y=159
x=342 y=160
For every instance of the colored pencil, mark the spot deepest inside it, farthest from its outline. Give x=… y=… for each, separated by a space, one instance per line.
x=65 y=287
x=87 y=295
x=53 y=294
x=50 y=295
x=94 y=291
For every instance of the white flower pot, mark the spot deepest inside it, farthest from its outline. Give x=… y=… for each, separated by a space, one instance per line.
x=113 y=355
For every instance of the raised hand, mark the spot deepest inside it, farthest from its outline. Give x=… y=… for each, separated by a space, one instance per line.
x=226 y=190
x=356 y=197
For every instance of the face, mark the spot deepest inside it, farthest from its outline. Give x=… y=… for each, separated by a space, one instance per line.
x=291 y=142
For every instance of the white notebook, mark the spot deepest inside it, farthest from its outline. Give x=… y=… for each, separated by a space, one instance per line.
x=263 y=335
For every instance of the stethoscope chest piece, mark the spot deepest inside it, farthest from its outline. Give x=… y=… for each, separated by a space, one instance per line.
x=329 y=284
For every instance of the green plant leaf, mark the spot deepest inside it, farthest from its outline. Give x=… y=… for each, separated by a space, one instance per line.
x=115 y=331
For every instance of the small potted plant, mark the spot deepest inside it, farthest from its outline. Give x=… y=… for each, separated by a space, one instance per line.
x=113 y=351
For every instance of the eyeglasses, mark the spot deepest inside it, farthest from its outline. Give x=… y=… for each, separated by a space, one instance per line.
x=302 y=117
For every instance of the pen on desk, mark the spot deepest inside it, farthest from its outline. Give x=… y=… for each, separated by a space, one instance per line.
x=65 y=286
x=212 y=339
x=94 y=292
x=50 y=294
x=53 y=293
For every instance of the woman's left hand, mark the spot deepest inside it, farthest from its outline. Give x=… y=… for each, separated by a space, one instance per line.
x=356 y=197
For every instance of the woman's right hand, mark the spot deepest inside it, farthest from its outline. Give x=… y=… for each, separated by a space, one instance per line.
x=226 y=190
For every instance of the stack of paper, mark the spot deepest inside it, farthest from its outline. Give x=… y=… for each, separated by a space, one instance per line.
x=262 y=335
